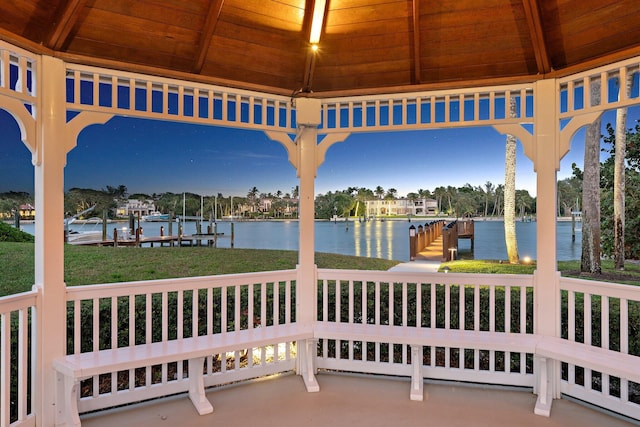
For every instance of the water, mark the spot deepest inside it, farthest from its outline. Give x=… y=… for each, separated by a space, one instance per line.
x=388 y=239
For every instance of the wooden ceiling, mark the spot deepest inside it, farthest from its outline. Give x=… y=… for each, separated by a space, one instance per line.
x=366 y=46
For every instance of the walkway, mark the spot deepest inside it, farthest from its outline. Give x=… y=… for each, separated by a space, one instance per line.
x=353 y=401
x=427 y=261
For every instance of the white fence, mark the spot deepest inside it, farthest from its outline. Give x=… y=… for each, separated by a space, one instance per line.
x=497 y=305
x=125 y=314
x=604 y=315
x=17 y=358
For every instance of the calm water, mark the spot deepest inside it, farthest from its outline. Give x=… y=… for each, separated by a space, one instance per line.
x=388 y=239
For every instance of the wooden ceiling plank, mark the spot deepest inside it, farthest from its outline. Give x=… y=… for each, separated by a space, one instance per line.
x=66 y=19
x=416 y=42
x=213 y=16
x=532 y=14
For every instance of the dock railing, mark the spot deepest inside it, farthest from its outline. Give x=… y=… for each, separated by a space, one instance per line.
x=421 y=237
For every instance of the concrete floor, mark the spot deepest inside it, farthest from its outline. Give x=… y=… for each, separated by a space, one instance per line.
x=352 y=401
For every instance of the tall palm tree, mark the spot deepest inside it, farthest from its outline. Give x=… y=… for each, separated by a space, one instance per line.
x=619 y=179
x=489 y=188
x=439 y=193
x=590 y=260
x=510 y=193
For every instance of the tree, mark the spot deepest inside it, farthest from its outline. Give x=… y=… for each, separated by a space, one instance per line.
x=392 y=193
x=379 y=192
x=488 y=193
x=510 y=193
x=439 y=194
x=632 y=195
x=590 y=259
x=619 y=179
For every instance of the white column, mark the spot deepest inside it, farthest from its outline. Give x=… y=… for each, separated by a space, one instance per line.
x=308 y=117
x=49 y=247
x=546 y=277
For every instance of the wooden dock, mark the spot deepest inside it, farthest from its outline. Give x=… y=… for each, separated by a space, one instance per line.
x=438 y=241
x=433 y=252
x=185 y=240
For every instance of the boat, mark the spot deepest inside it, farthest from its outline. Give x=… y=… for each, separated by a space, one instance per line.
x=156 y=216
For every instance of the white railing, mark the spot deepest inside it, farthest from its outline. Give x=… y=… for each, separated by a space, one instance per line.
x=499 y=305
x=428 y=110
x=575 y=90
x=18 y=73
x=127 y=314
x=604 y=315
x=145 y=96
x=17 y=359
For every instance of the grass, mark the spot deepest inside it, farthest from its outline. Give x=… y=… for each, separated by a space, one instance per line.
x=90 y=265
x=630 y=275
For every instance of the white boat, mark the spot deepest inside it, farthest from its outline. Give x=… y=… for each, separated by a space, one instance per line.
x=156 y=216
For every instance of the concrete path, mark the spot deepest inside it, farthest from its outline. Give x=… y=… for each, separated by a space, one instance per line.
x=418 y=266
x=427 y=261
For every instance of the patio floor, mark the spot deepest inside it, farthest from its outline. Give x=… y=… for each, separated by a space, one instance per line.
x=346 y=400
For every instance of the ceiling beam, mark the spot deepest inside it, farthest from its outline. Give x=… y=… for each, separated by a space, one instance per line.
x=210 y=23
x=416 y=42
x=66 y=17
x=532 y=14
x=310 y=62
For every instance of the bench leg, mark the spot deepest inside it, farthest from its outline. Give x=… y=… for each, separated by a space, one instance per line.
x=306 y=367
x=417 y=380
x=545 y=387
x=67 y=400
x=196 y=386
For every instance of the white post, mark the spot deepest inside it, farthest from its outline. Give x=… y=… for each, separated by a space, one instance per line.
x=49 y=247
x=308 y=113
x=546 y=277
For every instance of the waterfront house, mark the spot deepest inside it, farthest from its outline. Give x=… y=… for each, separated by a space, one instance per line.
x=136 y=208
x=309 y=74
x=401 y=206
x=27 y=211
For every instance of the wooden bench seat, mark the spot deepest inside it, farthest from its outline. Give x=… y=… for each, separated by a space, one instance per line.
x=74 y=368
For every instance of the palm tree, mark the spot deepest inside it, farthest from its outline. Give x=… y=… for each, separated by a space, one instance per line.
x=379 y=192
x=489 y=188
x=392 y=193
x=252 y=197
x=590 y=260
x=439 y=193
x=618 y=180
x=510 y=193
x=497 y=206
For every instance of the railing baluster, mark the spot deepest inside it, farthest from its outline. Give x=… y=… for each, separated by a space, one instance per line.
x=5 y=367
x=447 y=307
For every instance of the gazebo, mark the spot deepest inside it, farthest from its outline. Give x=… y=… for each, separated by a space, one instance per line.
x=310 y=73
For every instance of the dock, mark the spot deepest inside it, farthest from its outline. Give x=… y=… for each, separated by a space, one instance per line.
x=185 y=240
x=438 y=241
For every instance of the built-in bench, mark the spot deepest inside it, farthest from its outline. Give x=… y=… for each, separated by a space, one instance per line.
x=417 y=338
x=550 y=349
x=545 y=349
x=74 y=368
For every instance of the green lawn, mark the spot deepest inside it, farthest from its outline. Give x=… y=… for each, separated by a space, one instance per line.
x=90 y=265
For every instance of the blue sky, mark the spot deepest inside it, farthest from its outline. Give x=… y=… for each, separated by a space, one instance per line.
x=154 y=157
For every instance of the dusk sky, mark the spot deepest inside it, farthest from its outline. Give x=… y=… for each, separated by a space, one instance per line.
x=155 y=157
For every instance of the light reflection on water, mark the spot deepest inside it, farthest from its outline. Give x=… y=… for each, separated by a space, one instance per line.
x=378 y=239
